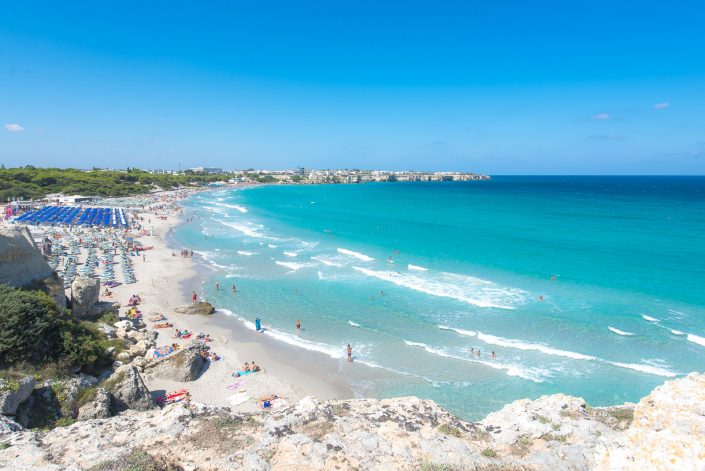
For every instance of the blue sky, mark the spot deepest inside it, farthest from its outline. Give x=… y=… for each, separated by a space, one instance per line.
x=501 y=87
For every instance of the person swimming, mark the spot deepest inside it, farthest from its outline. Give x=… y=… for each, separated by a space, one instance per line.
x=298 y=324
x=493 y=355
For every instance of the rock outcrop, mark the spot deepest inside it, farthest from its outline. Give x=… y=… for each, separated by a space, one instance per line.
x=663 y=431
x=183 y=366
x=97 y=408
x=21 y=262
x=201 y=307
x=128 y=391
x=13 y=394
x=84 y=296
x=667 y=430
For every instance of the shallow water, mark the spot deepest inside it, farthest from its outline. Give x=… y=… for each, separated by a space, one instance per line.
x=469 y=263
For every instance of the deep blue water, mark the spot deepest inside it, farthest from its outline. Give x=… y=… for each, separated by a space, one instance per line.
x=471 y=268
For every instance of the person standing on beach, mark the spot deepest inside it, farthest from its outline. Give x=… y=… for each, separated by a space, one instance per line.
x=258 y=324
x=349 y=354
x=194 y=297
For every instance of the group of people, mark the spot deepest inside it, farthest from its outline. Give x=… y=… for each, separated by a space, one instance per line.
x=477 y=353
x=250 y=367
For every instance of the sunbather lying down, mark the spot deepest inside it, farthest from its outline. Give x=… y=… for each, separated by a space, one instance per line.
x=163 y=325
x=157 y=318
x=266 y=401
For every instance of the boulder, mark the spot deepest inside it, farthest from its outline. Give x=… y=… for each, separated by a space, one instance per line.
x=12 y=395
x=139 y=349
x=183 y=366
x=84 y=296
x=123 y=325
x=107 y=330
x=97 y=408
x=128 y=391
x=196 y=308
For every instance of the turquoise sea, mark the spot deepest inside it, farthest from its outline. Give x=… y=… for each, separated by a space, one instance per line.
x=416 y=275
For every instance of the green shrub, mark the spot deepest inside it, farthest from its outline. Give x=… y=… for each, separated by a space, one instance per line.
x=489 y=453
x=30 y=326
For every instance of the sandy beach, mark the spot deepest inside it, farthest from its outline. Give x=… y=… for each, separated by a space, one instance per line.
x=165 y=281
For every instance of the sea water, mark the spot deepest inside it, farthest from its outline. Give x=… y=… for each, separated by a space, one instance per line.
x=590 y=286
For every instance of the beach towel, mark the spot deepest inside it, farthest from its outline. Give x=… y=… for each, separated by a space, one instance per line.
x=235 y=385
x=239 y=373
x=163 y=351
x=239 y=398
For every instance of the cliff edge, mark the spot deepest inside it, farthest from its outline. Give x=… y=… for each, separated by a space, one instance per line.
x=663 y=431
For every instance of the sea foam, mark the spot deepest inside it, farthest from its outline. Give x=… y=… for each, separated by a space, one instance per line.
x=416 y=268
x=470 y=290
x=619 y=332
x=532 y=374
x=696 y=339
x=357 y=255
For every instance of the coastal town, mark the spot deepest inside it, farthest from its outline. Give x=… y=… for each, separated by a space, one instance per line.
x=304 y=176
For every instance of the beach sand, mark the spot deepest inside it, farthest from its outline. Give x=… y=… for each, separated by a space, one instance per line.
x=165 y=281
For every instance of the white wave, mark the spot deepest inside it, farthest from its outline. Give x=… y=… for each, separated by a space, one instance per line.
x=291 y=254
x=532 y=374
x=354 y=324
x=649 y=369
x=618 y=332
x=357 y=255
x=471 y=290
x=677 y=332
x=246 y=229
x=518 y=344
x=237 y=207
x=272 y=246
x=327 y=262
x=467 y=333
x=696 y=339
x=416 y=268
x=330 y=350
x=245 y=253
x=291 y=265
x=649 y=318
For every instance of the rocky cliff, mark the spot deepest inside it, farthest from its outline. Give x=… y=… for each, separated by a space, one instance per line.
x=665 y=430
x=22 y=264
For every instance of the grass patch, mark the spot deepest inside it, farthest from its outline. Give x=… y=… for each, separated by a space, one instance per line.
x=85 y=396
x=542 y=419
x=64 y=422
x=138 y=460
x=108 y=317
x=554 y=437
x=556 y=427
x=489 y=453
x=426 y=466
x=113 y=381
x=622 y=415
x=318 y=430
x=4 y=445
x=448 y=429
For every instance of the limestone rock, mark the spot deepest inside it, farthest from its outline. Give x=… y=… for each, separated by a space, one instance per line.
x=128 y=391
x=123 y=325
x=196 y=308
x=97 y=408
x=21 y=262
x=84 y=296
x=8 y=425
x=107 y=330
x=11 y=397
x=668 y=430
x=182 y=366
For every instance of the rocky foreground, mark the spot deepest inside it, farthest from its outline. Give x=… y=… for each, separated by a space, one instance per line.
x=665 y=430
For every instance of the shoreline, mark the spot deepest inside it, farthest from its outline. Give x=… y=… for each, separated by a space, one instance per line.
x=164 y=282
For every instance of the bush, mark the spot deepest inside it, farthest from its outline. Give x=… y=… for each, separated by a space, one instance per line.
x=29 y=326
x=32 y=331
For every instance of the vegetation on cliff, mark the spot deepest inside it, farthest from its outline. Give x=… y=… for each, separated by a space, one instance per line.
x=34 y=333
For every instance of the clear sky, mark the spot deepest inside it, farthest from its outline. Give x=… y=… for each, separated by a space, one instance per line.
x=498 y=86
